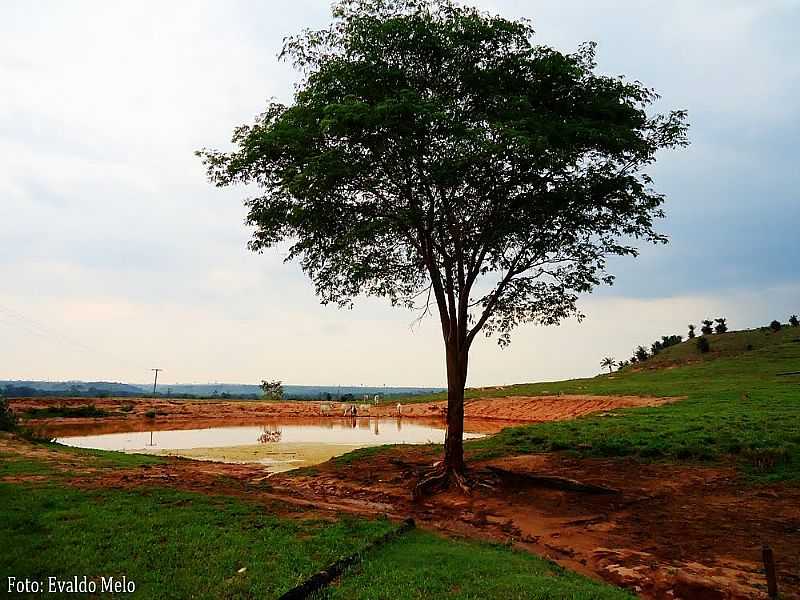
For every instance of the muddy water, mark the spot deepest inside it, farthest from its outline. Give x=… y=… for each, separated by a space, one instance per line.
x=277 y=445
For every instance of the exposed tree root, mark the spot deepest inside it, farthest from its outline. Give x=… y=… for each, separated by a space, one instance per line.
x=549 y=481
x=441 y=478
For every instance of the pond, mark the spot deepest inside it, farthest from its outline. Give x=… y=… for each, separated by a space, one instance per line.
x=279 y=445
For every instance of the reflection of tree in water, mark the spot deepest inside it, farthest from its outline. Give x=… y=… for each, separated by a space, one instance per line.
x=269 y=435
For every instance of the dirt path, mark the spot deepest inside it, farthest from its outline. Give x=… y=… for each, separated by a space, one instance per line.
x=669 y=532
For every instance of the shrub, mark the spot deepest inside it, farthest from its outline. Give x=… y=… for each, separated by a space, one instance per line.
x=150 y=414
x=63 y=411
x=702 y=345
x=707 y=328
x=775 y=326
x=641 y=354
x=722 y=326
x=670 y=340
x=793 y=321
x=127 y=407
x=8 y=420
x=691 y=332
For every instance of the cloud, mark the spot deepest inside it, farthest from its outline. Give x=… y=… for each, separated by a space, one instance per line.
x=118 y=254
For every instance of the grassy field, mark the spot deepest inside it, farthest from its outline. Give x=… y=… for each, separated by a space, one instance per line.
x=422 y=565
x=737 y=407
x=175 y=544
x=171 y=544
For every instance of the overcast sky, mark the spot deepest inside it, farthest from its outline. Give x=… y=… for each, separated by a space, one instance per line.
x=116 y=255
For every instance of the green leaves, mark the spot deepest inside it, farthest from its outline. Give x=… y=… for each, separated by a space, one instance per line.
x=436 y=147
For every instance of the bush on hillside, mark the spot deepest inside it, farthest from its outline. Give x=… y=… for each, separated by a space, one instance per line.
x=793 y=321
x=721 y=326
x=691 y=332
x=8 y=420
x=670 y=340
x=702 y=345
x=775 y=326
x=707 y=328
x=641 y=354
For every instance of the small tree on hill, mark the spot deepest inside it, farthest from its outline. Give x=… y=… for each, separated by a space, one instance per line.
x=722 y=326
x=622 y=364
x=434 y=155
x=793 y=321
x=691 y=332
x=608 y=362
x=641 y=354
x=707 y=328
x=702 y=345
x=273 y=390
x=775 y=326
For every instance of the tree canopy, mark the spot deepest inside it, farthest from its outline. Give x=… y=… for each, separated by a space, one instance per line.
x=435 y=155
x=427 y=136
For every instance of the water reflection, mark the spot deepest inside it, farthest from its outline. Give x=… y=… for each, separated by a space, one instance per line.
x=349 y=432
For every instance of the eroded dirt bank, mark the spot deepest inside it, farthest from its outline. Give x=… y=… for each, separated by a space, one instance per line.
x=170 y=413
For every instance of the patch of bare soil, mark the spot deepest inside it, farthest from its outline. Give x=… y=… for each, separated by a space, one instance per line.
x=170 y=414
x=668 y=531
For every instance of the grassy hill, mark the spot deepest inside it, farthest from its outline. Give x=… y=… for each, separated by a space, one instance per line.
x=737 y=407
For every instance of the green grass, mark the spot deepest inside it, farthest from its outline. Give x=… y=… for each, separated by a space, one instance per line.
x=421 y=565
x=361 y=454
x=13 y=465
x=108 y=458
x=736 y=407
x=187 y=545
x=171 y=544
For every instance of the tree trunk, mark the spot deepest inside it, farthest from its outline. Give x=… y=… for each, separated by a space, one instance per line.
x=454 y=440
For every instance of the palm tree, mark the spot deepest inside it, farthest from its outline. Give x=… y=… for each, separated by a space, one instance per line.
x=608 y=362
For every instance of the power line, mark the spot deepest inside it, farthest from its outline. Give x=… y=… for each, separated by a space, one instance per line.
x=38 y=328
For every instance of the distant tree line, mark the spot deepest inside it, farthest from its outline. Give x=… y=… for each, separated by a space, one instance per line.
x=26 y=391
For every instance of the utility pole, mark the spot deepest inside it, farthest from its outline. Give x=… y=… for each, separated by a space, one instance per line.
x=155 y=379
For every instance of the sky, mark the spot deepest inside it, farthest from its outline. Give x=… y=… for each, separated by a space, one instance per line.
x=117 y=256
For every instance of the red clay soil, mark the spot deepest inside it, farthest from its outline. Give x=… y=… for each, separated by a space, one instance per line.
x=512 y=409
x=670 y=531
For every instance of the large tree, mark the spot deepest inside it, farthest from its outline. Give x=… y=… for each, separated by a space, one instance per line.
x=434 y=155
